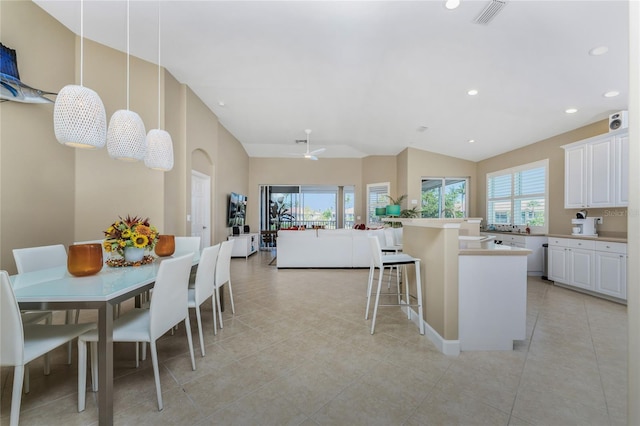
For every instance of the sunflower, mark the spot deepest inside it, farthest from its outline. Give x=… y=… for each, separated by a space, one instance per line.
x=126 y=233
x=139 y=240
x=107 y=246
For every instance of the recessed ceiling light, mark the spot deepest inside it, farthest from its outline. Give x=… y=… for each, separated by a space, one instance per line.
x=472 y=92
x=452 y=4
x=221 y=104
x=571 y=111
x=472 y=140
x=611 y=94
x=597 y=51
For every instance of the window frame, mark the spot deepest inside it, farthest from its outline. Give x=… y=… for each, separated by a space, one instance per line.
x=444 y=180
x=513 y=198
x=381 y=202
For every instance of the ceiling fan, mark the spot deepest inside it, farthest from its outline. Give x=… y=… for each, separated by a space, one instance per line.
x=311 y=155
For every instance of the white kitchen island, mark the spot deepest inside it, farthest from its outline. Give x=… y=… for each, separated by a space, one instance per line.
x=492 y=296
x=474 y=292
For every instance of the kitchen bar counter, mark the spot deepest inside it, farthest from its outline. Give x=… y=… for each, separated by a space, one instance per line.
x=474 y=291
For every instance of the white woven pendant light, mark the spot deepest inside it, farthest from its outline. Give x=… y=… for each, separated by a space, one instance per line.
x=79 y=118
x=159 y=143
x=126 y=136
x=159 y=150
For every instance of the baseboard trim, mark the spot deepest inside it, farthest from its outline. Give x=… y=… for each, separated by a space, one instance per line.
x=447 y=347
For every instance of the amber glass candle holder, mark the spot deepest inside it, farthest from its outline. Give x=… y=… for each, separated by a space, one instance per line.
x=166 y=245
x=84 y=259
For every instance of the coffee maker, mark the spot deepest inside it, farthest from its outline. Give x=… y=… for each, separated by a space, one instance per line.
x=585 y=227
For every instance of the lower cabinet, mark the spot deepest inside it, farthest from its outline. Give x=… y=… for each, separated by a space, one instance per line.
x=611 y=269
x=245 y=245
x=596 y=266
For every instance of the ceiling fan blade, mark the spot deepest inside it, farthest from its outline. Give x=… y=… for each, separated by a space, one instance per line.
x=318 y=151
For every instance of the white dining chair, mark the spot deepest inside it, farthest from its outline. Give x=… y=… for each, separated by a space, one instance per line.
x=380 y=262
x=22 y=343
x=204 y=286
x=223 y=276
x=43 y=257
x=168 y=307
x=187 y=244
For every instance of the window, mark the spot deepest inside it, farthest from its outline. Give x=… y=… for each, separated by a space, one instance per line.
x=376 y=197
x=445 y=197
x=349 y=195
x=518 y=196
x=285 y=206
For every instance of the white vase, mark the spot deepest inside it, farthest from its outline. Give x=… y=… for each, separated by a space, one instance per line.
x=133 y=254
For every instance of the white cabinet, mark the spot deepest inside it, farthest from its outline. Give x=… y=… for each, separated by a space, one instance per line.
x=596 y=266
x=245 y=245
x=600 y=175
x=575 y=177
x=622 y=170
x=557 y=263
x=596 y=172
x=611 y=269
x=581 y=266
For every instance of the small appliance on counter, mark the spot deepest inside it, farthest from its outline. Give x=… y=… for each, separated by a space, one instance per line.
x=585 y=227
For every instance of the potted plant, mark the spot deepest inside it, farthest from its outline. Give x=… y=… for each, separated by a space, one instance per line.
x=393 y=208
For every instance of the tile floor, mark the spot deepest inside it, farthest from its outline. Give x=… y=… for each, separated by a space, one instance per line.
x=298 y=351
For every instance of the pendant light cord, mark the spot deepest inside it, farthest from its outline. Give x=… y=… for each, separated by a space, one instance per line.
x=81 y=40
x=159 y=5
x=127 y=54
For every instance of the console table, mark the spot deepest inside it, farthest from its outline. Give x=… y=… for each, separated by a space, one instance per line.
x=245 y=245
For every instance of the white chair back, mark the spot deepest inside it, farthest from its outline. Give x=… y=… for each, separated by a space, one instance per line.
x=223 y=265
x=11 y=332
x=37 y=258
x=205 y=278
x=389 y=237
x=188 y=244
x=170 y=295
x=376 y=252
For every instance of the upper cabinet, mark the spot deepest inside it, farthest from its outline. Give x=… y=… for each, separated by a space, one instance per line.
x=597 y=171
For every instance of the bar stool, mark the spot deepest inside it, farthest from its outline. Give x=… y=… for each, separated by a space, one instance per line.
x=389 y=261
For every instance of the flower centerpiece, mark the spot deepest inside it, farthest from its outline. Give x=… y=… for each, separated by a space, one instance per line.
x=130 y=238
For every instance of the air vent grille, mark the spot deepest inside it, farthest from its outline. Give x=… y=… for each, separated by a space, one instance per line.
x=490 y=11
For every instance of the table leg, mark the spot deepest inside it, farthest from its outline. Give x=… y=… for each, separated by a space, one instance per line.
x=105 y=364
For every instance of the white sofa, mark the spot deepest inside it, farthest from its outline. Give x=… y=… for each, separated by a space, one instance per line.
x=328 y=248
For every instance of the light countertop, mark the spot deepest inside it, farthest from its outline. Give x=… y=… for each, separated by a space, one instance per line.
x=489 y=248
x=594 y=238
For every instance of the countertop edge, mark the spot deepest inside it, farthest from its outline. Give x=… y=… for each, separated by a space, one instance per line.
x=598 y=238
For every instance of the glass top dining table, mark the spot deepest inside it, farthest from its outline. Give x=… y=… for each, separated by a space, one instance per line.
x=57 y=289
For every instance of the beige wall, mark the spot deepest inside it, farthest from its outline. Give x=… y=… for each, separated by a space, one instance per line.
x=37 y=174
x=232 y=170
x=428 y=164
x=376 y=169
x=175 y=180
x=108 y=188
x=52 y=194
x=614 y=220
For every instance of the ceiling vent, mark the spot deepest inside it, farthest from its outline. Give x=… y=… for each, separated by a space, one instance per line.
x=490 y=12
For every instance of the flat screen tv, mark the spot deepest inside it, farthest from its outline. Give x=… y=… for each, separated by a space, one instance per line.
x=237 y=209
